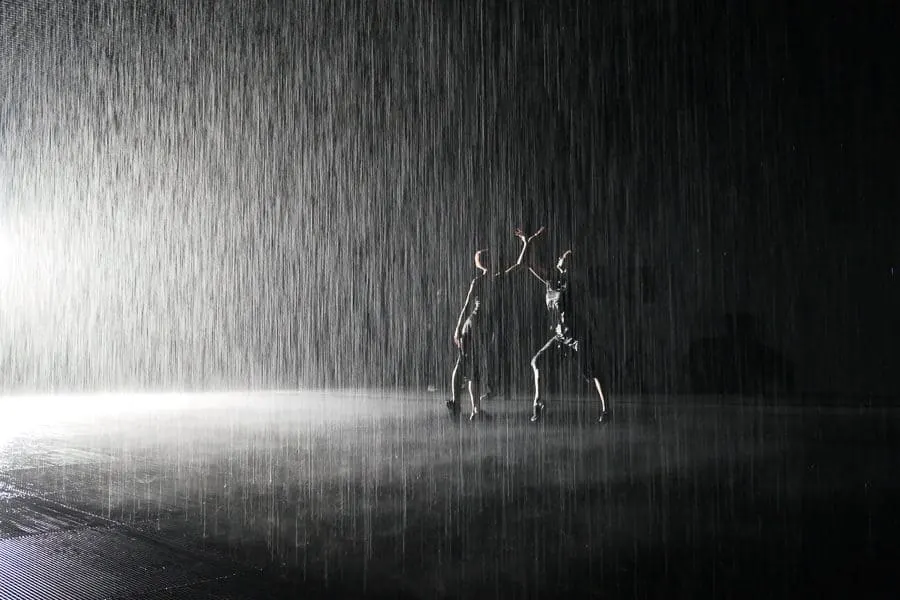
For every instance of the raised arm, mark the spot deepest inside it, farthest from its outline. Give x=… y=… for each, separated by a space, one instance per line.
x=520 y=262
x=462 y=315
x=538 y=272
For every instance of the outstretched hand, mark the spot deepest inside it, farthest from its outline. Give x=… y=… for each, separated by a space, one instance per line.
x=537 y=233
x=521 y=234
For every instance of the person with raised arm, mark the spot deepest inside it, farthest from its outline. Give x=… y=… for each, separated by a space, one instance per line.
x=476 y=329
x=566 y=338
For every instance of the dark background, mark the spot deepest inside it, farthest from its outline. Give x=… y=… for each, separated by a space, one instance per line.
x=254 y=195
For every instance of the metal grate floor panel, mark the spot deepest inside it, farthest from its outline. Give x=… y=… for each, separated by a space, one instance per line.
x=22 y=515
x=96 y=563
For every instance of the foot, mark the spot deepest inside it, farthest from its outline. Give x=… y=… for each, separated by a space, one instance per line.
x=480 y=416
x=604 y=417
x=537 y=412
x=453 y=407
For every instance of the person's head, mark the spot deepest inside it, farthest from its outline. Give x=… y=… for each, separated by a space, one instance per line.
x=565 y=261
x=482 y=261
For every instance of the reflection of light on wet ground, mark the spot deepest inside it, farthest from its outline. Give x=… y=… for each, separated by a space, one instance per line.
x=377 y=482
x=161 y=417
x=29 y=415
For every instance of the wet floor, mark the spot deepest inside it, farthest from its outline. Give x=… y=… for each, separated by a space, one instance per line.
x=351 y=494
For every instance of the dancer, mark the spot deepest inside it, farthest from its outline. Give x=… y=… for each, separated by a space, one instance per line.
x=476 y=328
x=565 y=337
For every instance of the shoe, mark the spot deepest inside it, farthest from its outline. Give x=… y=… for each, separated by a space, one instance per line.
x=453 y=407
x=604 y=417
x=538 y=412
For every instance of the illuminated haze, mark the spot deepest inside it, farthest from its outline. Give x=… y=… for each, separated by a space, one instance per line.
x=203 y=197
x=237 y=194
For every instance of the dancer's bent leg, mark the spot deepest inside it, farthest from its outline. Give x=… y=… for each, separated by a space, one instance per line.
x=475 y=397
x=604 y=413
x=584 y=350
x=538 y=406
x=457 y=384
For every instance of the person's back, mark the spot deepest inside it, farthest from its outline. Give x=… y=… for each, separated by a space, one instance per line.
x=484 y=312
x=477 y=327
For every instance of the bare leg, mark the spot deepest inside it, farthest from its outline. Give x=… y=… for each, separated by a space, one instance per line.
x=457 y=384
x=474 y=396
x=538 y=405
x=596 y=383
x=603 y=411
x=476 y=387
x=583 y=350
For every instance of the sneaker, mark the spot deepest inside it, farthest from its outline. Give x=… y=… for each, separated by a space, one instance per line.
x=538 y=412
x=604 y=417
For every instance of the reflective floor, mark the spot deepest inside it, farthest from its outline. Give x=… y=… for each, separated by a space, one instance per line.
x=375 y=494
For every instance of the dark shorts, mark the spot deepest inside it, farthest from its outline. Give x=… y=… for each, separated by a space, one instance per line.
x=579 y=348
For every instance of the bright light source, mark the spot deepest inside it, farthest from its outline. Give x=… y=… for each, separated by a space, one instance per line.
x=27 y=414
